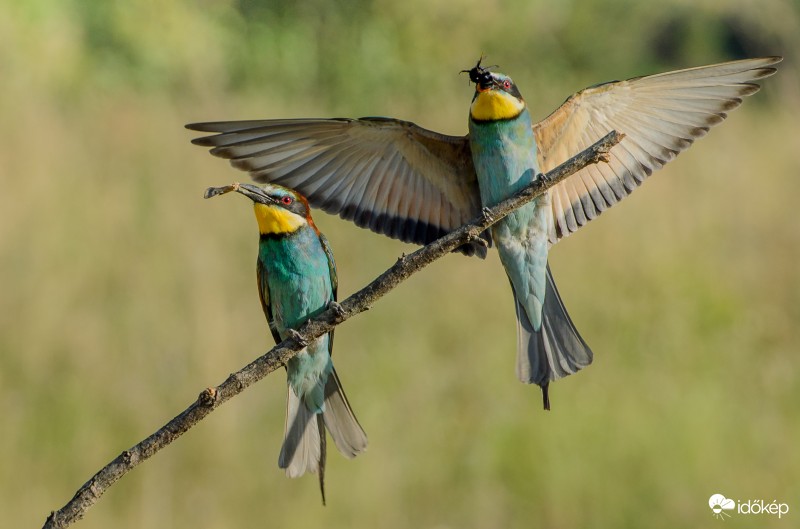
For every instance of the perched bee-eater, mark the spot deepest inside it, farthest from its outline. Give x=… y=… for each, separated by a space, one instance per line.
x=296 y=281
x=413 y=184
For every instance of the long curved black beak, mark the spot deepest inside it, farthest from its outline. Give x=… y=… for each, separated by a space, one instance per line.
x=254 y=193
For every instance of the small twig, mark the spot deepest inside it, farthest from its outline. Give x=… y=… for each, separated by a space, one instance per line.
x=210 y=398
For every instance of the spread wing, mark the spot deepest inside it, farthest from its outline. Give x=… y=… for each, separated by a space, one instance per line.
x=387 y=175
x=661 y=115
x=263 y=295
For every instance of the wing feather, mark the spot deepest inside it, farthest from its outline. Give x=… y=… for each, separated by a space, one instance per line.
x=387 y=175
x=263 y=296
x=661 y=116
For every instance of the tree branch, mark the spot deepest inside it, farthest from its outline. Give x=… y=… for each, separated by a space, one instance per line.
x=210 y=398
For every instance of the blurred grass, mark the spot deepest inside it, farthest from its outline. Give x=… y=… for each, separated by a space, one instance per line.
x=123 y=293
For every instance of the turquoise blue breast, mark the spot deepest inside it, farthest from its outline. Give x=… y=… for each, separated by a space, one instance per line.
x=504 y=155
x=298 y=277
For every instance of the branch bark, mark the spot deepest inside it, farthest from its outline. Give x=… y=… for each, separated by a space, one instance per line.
x=209 y=399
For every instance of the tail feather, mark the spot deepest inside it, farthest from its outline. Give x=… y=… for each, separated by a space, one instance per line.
x=323 y=455
x=554 y=351
x=302 y=449
x=304 y=443
x=340 y=420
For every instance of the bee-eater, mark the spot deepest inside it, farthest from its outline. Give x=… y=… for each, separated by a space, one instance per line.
x=296 y=281
x=413 y=184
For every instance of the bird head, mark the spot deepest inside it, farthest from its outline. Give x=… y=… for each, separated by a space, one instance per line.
x=496 y=96
x=279 y=210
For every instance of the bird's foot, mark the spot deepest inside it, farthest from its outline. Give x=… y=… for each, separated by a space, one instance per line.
x=486 y=213
x=297 y=337
x=477 y=239
x=338 y=311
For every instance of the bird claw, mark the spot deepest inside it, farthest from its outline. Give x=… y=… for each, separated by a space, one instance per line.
x=297 y=337
x=487 y=214
x=477 y=239
x=337 y=309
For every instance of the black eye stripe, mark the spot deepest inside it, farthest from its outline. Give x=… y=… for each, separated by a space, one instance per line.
x=290 y=204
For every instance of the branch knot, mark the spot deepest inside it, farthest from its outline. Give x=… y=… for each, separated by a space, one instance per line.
x=208 y=397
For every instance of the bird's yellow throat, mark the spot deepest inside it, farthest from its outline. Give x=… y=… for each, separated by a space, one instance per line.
x=273 y=220
x=494 y=105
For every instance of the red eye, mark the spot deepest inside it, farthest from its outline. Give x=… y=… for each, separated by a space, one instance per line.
x=506 y=84
x=287 y=200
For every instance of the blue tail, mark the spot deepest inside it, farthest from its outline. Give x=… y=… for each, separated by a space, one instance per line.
x=556 y=350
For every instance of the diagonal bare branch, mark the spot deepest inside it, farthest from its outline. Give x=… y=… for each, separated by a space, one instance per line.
x=210 y=398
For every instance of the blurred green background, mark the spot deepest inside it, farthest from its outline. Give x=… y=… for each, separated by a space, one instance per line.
x=123 y=293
